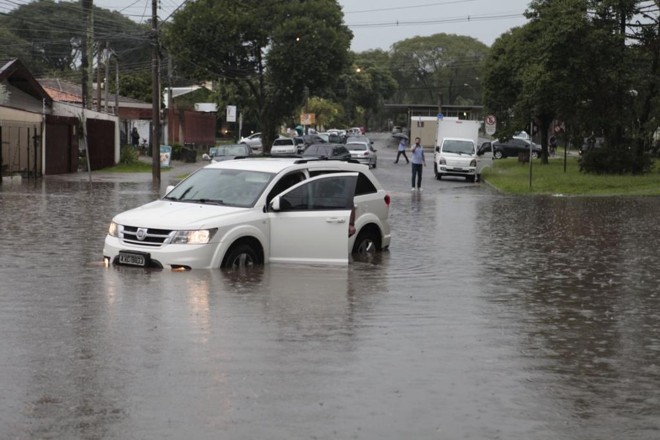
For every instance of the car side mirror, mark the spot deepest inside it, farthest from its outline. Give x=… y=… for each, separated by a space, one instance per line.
x=437 y=149
x=275 y=204
x=169 y=189
x=206 y=157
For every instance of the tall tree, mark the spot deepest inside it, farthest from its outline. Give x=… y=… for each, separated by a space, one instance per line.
x=271 y=50
x=49 y=36
x=372 y=84
x=436 y=68
x=560 y=65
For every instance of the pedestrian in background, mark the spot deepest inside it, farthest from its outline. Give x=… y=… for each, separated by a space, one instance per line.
x=135 y=137
x=402 y=150
x=418 y=162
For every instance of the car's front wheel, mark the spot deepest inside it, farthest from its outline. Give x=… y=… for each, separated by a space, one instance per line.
x=241 y=256
x=438 y=176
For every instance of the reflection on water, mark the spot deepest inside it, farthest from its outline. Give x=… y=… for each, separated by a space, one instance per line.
x=489 y=317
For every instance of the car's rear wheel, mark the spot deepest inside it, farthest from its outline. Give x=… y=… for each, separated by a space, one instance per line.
x=498 y=154
x=241 y=256
x=366 y=244
x=535 y=154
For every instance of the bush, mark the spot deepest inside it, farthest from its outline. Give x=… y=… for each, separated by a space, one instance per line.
x=177 y=152
x=128 y=155
x=615 y=161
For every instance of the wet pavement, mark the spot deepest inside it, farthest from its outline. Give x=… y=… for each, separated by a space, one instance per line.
x=490 y=317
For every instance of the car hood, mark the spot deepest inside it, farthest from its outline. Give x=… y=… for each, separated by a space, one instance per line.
x=167 y=214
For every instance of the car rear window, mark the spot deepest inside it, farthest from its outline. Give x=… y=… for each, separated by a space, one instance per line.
x=356 y=147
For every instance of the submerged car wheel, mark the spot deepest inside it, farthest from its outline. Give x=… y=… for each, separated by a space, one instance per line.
x=535 y=155
x=366 y=244
x=498 y=154
x=241 y=256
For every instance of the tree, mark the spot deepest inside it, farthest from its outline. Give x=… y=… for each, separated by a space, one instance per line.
x=559 y=66
x=271 y=50
x=436 y=68
x=49 y=36
x=371 y=83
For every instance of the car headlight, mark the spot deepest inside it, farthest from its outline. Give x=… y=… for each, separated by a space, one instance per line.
x=473 y=163
x=199 y=236
x=442 y=161
x=113 y=230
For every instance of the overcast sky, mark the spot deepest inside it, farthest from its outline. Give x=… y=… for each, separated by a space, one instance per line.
x=374 y=22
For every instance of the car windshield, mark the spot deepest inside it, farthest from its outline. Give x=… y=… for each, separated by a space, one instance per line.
x=214 y=186
x=232 y=150
x=318 y=150
x=458 y=147
x=356 y=147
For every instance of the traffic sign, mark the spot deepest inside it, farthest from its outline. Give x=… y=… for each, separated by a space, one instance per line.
x=491 y=125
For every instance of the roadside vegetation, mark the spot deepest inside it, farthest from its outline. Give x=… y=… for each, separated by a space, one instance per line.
x=511 y=176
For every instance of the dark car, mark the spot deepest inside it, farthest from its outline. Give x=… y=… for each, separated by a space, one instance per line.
x=509 y=148
x=228 y=152
x=309 y=139
x=327 y=151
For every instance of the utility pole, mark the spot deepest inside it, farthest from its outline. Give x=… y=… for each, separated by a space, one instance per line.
x=155 y=96
x=98 y=80
x=87 y=54
x=106 y=56
x=88 y=43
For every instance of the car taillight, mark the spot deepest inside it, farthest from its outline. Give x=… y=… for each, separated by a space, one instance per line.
x=387 y=200
x=351 y=223
x=366 y=153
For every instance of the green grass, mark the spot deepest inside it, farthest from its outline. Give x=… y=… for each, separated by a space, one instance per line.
x=135 y=167
x=510 y=176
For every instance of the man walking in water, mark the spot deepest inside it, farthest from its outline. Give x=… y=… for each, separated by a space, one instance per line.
x=402 y=151
x=418 y=162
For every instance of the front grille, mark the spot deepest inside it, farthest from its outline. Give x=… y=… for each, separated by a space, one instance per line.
x=150 y=237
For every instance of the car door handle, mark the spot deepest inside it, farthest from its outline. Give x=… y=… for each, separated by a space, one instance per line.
x=335 y=220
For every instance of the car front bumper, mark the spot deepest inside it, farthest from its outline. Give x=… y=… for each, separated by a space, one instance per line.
x=172 y=256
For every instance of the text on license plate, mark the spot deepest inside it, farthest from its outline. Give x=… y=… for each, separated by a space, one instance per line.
x=132 y=259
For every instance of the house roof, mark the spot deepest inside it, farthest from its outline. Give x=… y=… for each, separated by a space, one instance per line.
x=15 y=73
x=66 y=91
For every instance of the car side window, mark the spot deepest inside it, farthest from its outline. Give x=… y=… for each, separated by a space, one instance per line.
x=364 y=186
x=332 y=193
x=284 y=183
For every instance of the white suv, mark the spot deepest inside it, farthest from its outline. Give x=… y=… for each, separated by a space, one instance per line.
x=252 y=211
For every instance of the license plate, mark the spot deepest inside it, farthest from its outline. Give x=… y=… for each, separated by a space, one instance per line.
x=133 y=259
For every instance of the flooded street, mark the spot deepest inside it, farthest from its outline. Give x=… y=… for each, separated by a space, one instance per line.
x=490 y=317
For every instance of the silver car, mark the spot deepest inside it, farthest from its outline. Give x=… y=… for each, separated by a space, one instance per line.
x=254 y=141
x=363 y=152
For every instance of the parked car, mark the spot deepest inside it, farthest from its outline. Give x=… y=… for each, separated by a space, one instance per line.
x=359 y=138
x=509 y=148
x=252 y=211
x=363 y=152
x=284 y=145
x=327 y=151
x=254 y=141
x=300 y=144
x=591 y=143
x=227 y=152
x=314 y=138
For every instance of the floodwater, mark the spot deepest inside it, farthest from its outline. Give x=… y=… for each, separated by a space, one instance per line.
x=490 y=317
